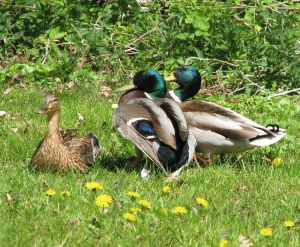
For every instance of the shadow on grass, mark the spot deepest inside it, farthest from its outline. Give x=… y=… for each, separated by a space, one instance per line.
x=114 y=161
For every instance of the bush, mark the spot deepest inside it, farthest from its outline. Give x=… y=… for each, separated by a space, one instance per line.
x=236 y=43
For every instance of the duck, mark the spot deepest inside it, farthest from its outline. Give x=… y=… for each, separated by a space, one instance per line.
x=63 y=150
x=148 y=84
x=158 y=129
x=218 y=130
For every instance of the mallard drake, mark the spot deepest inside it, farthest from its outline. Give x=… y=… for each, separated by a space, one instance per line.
x=63 y=150
x=218 y=130
x=158 y=129
x=148 y=84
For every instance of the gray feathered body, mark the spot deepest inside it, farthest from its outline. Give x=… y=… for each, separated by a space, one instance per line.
x=219 y=130
x=158 y=129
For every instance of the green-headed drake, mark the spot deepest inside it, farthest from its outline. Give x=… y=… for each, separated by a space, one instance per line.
x=218 y=130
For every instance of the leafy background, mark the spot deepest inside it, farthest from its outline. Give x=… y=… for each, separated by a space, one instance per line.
x=248 y=45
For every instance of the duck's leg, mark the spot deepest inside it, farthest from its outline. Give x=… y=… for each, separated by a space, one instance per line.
x=196 y=161
x=206 y=160
x=222 y=158
x=145 y=173
x=138 y=158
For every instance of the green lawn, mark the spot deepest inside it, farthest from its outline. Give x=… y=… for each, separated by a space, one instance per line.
x=244 y=194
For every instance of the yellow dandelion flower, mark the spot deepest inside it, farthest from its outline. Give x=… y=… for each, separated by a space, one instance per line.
x=289 y=223
x=267 y=232
x=104 y=201
x=50 y=192
x=129 y=216
x=65 y=193
x=93 y=186
x=145 y=204
x=179 y=210
x=164 y=210
x=224 y=243
x=133 y=194
x=202 y=202
x=277 y=161
x=136 y=210
x=166 y=189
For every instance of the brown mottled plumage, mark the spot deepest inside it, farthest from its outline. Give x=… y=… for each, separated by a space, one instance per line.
x=63 y=150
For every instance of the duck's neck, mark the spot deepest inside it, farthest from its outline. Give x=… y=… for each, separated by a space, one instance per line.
x=53 y=127
x=183 y=93
x=157 y=94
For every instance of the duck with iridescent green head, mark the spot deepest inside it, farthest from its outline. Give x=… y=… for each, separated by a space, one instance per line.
x=155 y=125
x=218 y=130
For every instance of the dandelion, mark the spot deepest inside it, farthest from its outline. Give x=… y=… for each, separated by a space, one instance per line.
x=65 y=193
x=129 y=216
x=93 y=186
x=166 y=189
x=179 y=210
x=267 y=232
x=164 y=210
x=133 y=194
x=145 y=204
x=104 y=201
x=136 y=210
x=289 y=223
x=50 y=192
x=224 y=243
x=277 y=161
x=202 y=202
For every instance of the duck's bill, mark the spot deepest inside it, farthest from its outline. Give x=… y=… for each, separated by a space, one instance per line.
x=170 y=77
x=124 y=88
x=42 y=110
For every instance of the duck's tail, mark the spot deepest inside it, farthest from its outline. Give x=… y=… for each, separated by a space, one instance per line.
x=275 y=135
x=95 y=145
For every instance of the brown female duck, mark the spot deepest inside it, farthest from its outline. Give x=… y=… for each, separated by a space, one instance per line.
x=63 y=150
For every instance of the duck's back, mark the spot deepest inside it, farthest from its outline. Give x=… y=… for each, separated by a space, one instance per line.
x=57 y=153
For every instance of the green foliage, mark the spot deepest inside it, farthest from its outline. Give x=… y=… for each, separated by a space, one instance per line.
x=49 y=42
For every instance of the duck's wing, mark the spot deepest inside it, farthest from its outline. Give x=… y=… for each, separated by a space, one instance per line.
x=162 y=124
x=158 y=129
x=150 y=129
x=185 y=140
x=131 y=94
x=35 y=152
x=87 y=147
x=134 y=123
x=212 y=117
x=174 y=112
x=67 y=136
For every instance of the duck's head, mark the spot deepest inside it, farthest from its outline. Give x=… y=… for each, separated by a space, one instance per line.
x=50 y=106
x=189 y=79
x=151 y=82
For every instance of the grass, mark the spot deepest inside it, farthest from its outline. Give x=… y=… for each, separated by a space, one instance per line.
x=245 y=194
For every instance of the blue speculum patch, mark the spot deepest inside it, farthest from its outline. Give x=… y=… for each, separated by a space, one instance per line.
x=144 y=127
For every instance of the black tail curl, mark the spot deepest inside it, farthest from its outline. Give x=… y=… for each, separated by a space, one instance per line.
x=274 y=127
